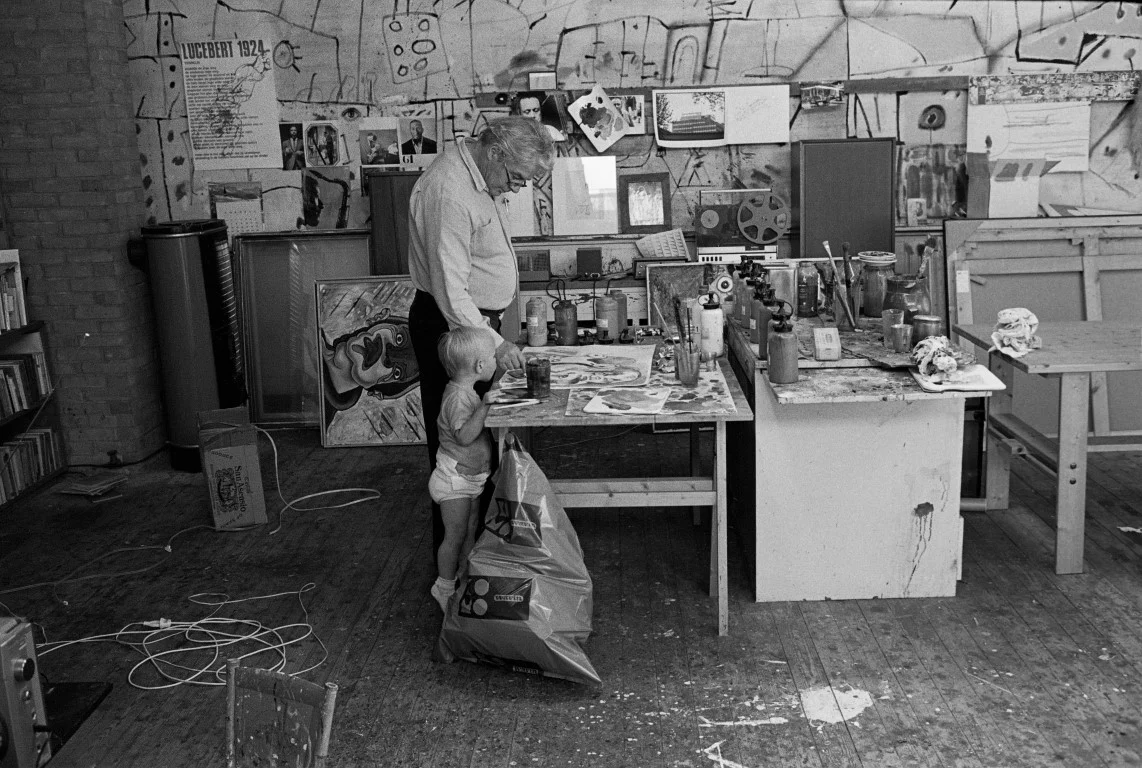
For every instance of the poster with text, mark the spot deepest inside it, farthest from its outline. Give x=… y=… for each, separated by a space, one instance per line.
x=231 y=104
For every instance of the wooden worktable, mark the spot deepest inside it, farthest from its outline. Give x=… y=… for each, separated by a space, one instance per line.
x=695 y=490
x=1071 y=352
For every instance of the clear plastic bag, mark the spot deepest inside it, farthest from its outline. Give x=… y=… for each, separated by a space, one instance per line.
x=524 y=597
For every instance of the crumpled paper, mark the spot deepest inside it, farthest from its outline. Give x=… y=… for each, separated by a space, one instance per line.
x=1014 y=333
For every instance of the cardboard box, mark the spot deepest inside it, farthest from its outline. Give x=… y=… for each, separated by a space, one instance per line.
x=228 y=444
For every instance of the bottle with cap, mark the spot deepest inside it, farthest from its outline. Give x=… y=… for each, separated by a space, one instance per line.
x=758 y=316
x=536 y=322
x=711 y=321
x=783 y=347
x=771 y=304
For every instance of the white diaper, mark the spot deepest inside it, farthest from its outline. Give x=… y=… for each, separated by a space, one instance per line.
x=446 y=483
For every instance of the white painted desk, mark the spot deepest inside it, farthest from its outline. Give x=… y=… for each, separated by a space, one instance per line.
x=848 y=483
x=1071 y=351
x=690 y=491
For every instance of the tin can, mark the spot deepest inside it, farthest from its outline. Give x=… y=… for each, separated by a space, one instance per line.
x=566 y=323
x=538 y=377
x=536 y=322
x=924 y=326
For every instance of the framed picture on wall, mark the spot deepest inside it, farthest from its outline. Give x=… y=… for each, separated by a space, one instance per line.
x=644 y=203
x=584 y=196
x=370 y=382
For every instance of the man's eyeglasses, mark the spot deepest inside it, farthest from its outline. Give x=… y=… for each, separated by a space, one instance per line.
x=515 y=181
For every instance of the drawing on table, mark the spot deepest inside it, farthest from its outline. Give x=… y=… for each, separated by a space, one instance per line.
x=627 y=400
x=595 y=365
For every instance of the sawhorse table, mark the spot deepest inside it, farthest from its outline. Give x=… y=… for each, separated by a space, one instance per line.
x=1071 y=352
x=692 y=491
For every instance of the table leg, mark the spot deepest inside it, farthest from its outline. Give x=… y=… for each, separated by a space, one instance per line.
x=719 y=569
x=695 y=466
x=1074 y=399
x=997 y=473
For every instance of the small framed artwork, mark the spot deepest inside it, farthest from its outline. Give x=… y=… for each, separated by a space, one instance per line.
x=644 y=203
x=370 y=382
x=584 y=196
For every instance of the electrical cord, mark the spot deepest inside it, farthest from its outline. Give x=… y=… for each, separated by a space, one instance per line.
x=210 y=635
x=109 y=465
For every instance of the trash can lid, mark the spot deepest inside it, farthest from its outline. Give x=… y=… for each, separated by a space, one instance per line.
x=181 y=228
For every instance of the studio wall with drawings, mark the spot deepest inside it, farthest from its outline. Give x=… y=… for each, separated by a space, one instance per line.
x=340 y=63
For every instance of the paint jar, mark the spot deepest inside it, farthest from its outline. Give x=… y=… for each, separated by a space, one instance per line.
x=687 y=365
x=901 y=336
x=536 y=322
x=889 y=318
x=620 y=299
x=924 y=326
x=878 y=267
x=538 y=371
x=905 y=292
x=566 y=323
x=607 y=318
x=806 y=289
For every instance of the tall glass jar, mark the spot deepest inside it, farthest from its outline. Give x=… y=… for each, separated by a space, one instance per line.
x=905 y=292
x=877 y=268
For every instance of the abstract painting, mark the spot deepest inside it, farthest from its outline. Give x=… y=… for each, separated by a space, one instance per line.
x=628 y=400
x=665 y=282
x=370 y=382
x=592 y=365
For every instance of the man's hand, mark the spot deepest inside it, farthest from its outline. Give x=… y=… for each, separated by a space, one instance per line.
x=509 y=357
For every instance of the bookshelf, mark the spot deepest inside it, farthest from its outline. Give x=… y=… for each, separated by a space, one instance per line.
x=31 y=446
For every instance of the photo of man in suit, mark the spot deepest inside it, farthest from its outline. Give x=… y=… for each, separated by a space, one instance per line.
x=418 y=144
x=293 y=151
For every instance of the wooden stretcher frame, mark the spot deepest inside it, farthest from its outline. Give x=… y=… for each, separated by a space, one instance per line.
x=1087 y=246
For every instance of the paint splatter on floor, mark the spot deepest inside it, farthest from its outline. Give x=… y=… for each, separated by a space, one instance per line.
x=826 y=704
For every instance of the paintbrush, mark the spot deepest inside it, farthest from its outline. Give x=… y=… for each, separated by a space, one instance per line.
x=850 y=276
x=689 y=331
x=842 y=293
x=683 y=331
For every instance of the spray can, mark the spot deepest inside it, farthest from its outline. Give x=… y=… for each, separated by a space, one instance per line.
x=606 y=318
x=621 y=312
x=566 y=323
x=783 y=348
x=712 y=320
x=536 y=313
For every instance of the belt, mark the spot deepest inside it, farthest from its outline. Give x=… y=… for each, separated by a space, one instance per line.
x=493 y=314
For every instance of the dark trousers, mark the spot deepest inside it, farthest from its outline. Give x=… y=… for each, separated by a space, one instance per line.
x=425 y=326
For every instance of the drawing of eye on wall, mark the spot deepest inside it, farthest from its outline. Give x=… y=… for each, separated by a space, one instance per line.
x=370 y=382
x=584 y=196
x=322 y=144
x=598 y=118
x=548 y=108
x=644 y=203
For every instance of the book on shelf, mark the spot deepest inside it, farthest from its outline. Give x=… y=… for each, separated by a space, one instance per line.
x=26 y=459
x=13 y=310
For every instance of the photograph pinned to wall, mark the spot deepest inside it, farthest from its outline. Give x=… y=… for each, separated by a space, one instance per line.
x=239 y=204
x=591 y=365
x=690 y=117
x=323 y=144
x=542 y=81
x=632 y=107
x=1052 y=131
x=420 y=140
x=644 y=203
x=714 y=117
x=548 y=108
x=597 y=117
x=584 y=196
x=370 y=382
x=293 y=146
x=665 y=282
x=379 y=141
x=325 y=198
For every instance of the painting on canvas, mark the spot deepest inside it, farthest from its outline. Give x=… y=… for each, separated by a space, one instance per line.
x=370 y=382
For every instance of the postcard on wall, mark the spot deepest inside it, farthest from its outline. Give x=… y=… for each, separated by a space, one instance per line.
x=597 y=117
x=1052 y=131
x=715 y=117
x=420 y=142
x=231 y=104
x=757 y=114
x=326 y=198
x=378 y=139
x=632 y=107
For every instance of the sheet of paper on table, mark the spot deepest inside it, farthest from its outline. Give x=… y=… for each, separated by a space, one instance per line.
x=711 y=395
x=591 y=365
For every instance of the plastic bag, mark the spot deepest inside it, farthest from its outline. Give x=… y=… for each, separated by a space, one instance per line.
x=524 y=597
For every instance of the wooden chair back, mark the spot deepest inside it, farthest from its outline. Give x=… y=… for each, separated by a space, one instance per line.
x=275 y=719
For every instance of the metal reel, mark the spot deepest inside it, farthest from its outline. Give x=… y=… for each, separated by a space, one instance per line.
x=763 y=218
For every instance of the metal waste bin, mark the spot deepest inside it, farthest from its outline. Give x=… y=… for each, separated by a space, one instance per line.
x=197 y=327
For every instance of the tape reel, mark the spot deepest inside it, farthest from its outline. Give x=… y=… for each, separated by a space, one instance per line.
x=763 y=218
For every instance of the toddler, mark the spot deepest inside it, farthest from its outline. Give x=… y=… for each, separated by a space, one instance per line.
x=464 y=458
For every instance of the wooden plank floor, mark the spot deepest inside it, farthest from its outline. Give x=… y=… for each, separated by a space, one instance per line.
x=1021 y=668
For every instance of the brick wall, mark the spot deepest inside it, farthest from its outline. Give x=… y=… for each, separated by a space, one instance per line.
x=69 y=176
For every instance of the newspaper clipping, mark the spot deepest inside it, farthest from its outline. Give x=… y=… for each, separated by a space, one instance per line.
x=231 y=104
